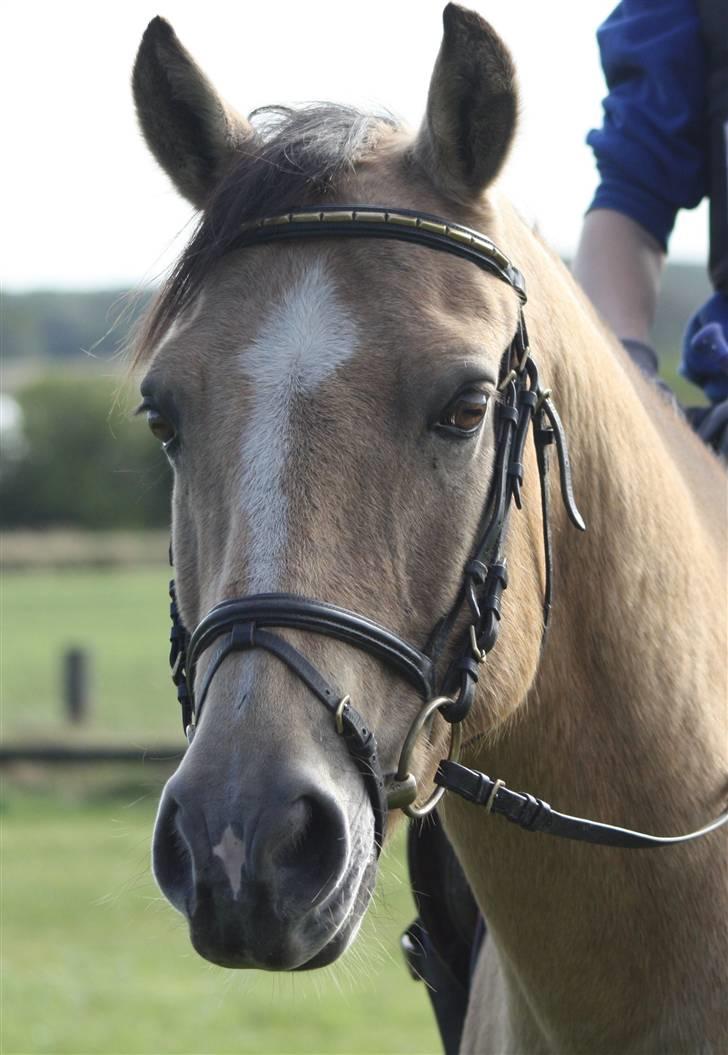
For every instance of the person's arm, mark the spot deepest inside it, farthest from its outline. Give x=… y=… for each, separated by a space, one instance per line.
x=651 y=152
x=619 y=265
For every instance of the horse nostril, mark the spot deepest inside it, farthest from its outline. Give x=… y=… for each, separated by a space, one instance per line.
x=307 y=835
x=303 y=849
x=171 y=858
x=291 y=852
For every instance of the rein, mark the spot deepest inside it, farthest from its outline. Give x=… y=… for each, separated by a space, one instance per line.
x=246 y=623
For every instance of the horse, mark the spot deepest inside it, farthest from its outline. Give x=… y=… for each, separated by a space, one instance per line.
x=329 y=407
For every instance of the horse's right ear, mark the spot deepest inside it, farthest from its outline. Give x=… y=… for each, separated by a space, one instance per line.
x=192 y=133
x=471 y=108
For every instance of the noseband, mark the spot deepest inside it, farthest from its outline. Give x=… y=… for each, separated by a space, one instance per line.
x=473 y=621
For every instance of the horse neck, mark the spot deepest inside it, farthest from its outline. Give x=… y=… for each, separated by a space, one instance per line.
x=638 y=646
x=625 y=721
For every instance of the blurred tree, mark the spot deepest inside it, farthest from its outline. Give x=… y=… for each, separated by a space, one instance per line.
x=85 y=460
x=63 y=325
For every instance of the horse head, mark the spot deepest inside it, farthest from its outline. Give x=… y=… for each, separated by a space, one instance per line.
x=328 y=406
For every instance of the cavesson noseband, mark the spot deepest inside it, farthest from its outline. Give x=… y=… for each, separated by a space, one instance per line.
x=448 y=688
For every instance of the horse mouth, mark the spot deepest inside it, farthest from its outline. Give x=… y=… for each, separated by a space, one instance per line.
x=337 y=945
x=249 y=933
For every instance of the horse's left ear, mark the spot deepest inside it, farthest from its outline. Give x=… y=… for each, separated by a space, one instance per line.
x=471 y=108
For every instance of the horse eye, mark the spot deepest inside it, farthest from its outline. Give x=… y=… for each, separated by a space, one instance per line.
x=160 y=427
x=465 y=415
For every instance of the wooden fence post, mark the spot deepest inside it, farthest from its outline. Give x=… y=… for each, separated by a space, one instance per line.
x=76 y=682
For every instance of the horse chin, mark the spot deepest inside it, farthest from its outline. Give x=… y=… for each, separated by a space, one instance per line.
x=343 y=938
x=252 y=935
x=334 y=948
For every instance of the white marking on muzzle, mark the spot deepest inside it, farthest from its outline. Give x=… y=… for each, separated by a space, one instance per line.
x=304 y=340
x=231 y=852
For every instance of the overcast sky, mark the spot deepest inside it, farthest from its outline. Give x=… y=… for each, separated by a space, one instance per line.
x=84 y=204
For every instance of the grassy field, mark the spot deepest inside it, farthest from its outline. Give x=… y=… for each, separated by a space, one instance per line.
x=95 y=962
x=120 y=615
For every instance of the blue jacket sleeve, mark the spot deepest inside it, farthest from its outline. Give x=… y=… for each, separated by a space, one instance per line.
x=652 y=149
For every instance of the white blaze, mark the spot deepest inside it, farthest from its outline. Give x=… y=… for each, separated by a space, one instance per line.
x=305 y=338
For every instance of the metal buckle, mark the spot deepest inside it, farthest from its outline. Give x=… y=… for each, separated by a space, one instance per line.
x=512 y=375
x=403 y=791
x=479 y=654
x=339 y=714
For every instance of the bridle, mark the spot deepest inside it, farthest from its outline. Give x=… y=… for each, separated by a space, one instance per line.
x=247 y=623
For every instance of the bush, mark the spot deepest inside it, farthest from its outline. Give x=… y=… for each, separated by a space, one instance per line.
x=58 y=325
x=84 y=460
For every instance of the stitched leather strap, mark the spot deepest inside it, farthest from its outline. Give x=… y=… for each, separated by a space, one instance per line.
x=535 y=815
x=375 y=221
x=244 y=636
x=359 y=739
x=300 y=613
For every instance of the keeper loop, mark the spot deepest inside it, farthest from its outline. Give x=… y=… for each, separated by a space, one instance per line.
x=497 y=785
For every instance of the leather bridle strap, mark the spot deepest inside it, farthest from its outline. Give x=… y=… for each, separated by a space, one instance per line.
x=404 y=225
x=240 y=625
x=535 y=815
x=289 y=611
x=360 y=741
x=524 y=405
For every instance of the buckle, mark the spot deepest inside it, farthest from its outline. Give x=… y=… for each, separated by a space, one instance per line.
x=479 y=654
x=339 y=714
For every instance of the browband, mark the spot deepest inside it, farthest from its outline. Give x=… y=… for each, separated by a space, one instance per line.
x=373 y=221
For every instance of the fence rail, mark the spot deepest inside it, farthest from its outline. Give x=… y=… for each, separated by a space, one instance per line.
x=88 y=753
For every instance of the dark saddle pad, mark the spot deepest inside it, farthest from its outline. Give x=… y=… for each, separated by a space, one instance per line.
x=441 y=945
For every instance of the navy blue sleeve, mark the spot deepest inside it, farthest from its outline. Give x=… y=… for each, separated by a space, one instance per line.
x=652 y=150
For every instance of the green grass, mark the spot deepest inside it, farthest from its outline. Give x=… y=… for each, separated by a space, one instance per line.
x=95 y=962
x=121 y=616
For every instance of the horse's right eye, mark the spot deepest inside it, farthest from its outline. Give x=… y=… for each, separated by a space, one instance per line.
x=159 y=426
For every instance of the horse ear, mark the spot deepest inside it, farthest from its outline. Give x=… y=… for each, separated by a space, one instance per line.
x=471 y=108
x=192 y=133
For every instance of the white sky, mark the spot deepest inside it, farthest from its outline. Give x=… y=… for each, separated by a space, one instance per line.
x=85 y=206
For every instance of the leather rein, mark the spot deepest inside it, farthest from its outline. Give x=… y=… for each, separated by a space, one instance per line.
x=246 y=623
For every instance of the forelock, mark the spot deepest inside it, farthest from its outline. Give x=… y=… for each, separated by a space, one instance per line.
x=298 y=156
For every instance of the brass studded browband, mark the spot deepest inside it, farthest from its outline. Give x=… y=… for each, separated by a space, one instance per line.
x=372 y=221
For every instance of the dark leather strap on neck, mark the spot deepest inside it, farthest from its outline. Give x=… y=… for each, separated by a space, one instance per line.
x=535 y=815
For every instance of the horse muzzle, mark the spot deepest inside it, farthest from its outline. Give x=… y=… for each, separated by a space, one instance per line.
x=274 y=880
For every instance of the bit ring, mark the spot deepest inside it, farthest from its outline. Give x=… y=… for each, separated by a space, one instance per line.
x=403 y=773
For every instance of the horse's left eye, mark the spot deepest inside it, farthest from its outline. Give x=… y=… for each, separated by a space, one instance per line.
x=465 y=414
